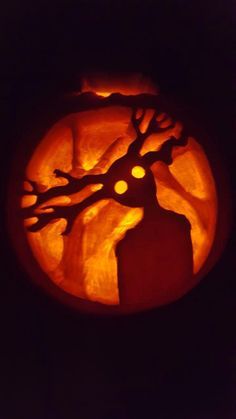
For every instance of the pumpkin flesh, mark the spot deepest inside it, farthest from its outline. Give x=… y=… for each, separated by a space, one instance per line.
x=84 y=263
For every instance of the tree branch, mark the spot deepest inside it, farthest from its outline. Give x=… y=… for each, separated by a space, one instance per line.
x=67 y=212
x=70 y=212
x=74 y=185
x=154 y=127
x=165 y=152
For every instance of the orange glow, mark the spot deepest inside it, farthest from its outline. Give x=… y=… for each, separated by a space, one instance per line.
x=121 y=187
x=28 y=200
x=103 y=94
x=84 y=263
x=90 y=264
x=154 y=141
x=190 y=190
x=30 y=221
x=128 y=85
x=147 y=118
x=138 y=172
x=27 y=186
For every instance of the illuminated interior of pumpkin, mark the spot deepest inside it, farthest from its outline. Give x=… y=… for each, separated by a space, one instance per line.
x=121 y=186
x=129 y=85
x=84 y=263
x=138 y=172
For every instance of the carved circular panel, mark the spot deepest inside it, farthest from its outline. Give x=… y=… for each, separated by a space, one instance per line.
x=119 y=202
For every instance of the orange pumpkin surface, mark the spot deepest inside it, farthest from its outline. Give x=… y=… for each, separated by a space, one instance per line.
x=120 y=204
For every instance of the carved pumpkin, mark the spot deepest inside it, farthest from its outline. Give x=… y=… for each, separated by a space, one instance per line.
x=119 y=202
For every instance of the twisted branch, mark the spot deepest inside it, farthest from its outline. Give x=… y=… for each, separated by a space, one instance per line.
x=67 y=212
x=165 y=152
x=153 y=128
x=74 y=185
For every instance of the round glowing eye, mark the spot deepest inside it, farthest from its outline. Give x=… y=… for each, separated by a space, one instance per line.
x=121 y=187
x=138 y=172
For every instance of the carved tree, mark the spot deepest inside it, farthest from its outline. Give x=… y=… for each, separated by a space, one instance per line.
x=70 y=212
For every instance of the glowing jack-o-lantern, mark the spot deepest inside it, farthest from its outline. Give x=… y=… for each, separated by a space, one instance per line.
x=119 y=202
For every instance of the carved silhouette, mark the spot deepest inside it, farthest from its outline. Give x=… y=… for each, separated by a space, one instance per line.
x=158 y=250
x=156 y=255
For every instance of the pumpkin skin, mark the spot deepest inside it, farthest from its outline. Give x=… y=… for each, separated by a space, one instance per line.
x=106 y=262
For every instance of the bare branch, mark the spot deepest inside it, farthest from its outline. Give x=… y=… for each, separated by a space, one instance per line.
x=70 y=212
x=136 y=121
x=67 y=212
x=74 y=185
x=154 y=127
x=165 y=152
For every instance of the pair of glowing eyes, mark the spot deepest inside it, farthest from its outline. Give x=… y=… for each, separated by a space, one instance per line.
x=121 y=186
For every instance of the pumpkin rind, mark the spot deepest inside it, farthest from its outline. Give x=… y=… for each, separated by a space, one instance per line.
x=85 y=262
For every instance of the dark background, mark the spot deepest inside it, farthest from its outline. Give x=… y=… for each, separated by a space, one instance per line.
x=175 y=362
